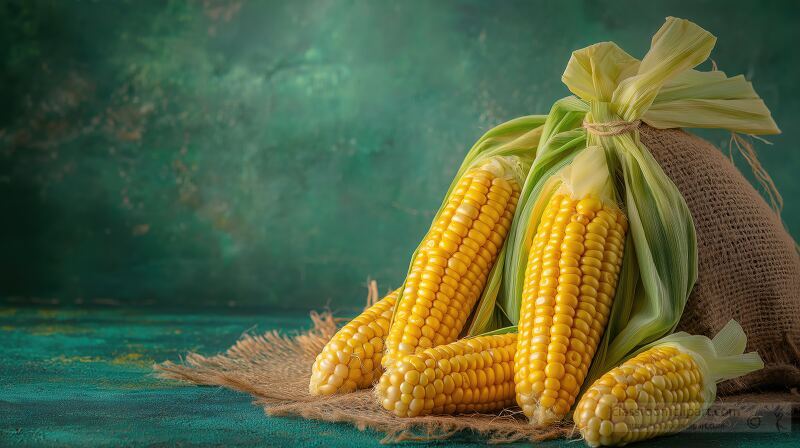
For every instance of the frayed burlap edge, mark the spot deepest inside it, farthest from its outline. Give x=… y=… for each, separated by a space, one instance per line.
x=276 y=368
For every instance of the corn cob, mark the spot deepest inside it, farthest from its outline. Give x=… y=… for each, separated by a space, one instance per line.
x=450 y=269
x=470 y=375
x=664 y=389
x=352 y=358
x=570 y=280
x=657 y=392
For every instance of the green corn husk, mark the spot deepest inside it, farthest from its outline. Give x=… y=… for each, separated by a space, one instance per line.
x=517 y=140
x=664 y=91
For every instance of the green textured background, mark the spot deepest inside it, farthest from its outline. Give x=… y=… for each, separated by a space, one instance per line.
x=276 y=154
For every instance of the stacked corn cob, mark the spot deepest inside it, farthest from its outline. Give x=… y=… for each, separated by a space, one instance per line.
x=570 y=281
x=352 y=358
x=664 y=389
x=451 y=267
x=470 y=375
x=656 y=392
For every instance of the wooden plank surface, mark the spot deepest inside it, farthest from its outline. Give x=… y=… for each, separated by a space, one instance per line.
x=80 y=377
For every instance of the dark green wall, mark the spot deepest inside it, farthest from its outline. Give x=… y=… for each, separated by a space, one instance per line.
x=279 y=153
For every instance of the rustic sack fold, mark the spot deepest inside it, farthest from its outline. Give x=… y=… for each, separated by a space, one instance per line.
x=748 y=264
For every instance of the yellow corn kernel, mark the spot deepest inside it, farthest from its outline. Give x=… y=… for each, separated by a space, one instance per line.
x=352 y=358
x=470 y=375
x=570 y=279
x=657 y=392
x=452 y=264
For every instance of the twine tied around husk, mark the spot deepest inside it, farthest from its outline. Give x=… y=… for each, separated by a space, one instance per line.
x=611 y=128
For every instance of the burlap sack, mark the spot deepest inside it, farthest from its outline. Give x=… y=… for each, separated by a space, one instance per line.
x=749 y=268
x=749 y=271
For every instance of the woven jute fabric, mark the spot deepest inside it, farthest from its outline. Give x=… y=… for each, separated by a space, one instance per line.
x=748 y=270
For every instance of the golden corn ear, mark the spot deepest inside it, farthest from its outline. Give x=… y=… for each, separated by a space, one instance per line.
x=352 y=358
x=659 y=391
x=471 y=375
x=451 y=267
x=570 y=280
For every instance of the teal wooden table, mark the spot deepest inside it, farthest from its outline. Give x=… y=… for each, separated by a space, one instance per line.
x=78 y=377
